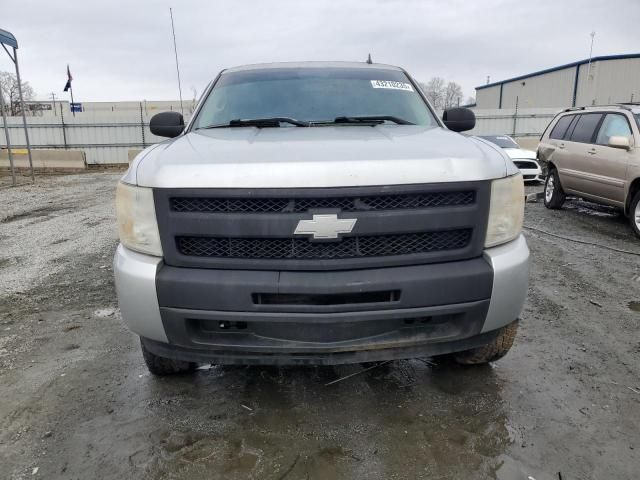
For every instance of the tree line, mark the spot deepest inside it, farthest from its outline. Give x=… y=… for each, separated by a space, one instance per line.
x=11 y=95
x=442 y=94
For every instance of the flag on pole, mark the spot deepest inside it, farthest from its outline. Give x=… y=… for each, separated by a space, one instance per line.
x=69 y=78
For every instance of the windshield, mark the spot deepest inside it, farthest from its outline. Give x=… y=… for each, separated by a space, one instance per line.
x=502 y=141
x=313 y=94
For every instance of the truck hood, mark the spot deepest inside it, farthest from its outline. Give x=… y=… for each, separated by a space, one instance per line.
x=293 y=157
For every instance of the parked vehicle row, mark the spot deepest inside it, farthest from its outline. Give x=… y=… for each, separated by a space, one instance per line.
x=286 y=224
x=588 y=152
x=592 y=152
x=525 y=160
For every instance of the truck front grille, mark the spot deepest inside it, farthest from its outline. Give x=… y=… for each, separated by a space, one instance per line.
x=254 y=229
x=303 y=249
x=346 y=204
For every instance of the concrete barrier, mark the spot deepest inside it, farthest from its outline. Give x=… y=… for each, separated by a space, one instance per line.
x=44 y=160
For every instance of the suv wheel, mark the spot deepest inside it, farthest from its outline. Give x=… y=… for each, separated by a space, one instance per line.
x=162 y=366
x=554 y=195
x=634 y=213
x=491 y=352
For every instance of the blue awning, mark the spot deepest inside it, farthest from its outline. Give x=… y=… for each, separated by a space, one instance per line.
x=8 y=39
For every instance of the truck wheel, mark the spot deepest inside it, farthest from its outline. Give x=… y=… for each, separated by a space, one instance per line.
x=634 y=213
x=162 y=366
x=491 y=352
x=554 y=195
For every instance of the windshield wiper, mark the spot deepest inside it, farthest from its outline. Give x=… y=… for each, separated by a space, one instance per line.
x=374 y=119
x=260 y=123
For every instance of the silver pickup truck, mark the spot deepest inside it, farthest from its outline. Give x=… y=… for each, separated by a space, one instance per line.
x=319 y=213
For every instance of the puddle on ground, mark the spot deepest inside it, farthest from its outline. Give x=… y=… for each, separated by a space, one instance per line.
x=635 y=306
x=423 y=419
x=593 y=209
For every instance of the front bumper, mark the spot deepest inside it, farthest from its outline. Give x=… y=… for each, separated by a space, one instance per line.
x=531 y=174
x=207 y=315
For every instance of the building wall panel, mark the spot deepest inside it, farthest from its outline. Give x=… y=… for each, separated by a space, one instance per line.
x=546 y=90
x=488 y=97
x=609 y=81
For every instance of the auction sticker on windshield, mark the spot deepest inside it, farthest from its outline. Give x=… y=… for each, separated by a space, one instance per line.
x=392 y=85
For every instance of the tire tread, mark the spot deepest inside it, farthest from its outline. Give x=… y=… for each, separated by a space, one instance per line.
x=632 y=208
x=162 y=366
x=558 y=197
x=493 y=351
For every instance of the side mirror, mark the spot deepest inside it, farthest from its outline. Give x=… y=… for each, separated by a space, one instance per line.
x=618 y=141
x=167 y=124
x=459 y=119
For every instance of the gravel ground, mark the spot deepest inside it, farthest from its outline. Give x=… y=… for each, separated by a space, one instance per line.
x=77 y=401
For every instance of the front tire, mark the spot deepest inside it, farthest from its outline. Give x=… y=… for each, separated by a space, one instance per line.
x=162 y=366
x=491 y=352
x=554 y=195
x=634 y=213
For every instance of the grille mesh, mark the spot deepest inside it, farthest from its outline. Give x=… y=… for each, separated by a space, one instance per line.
x=348 y=204
x=303 y=249
x=525 y=164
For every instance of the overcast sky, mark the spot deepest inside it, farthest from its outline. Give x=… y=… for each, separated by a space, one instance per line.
x=122 y=50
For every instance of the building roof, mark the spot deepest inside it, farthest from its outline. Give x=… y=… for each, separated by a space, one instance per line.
x=562 y=67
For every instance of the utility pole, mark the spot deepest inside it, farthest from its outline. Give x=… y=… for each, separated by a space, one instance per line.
x=175 y=51
x=53 y=97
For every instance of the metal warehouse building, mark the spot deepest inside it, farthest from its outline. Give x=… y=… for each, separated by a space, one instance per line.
x=603 y=80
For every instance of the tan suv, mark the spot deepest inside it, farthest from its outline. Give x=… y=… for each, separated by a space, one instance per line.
x=594 y=153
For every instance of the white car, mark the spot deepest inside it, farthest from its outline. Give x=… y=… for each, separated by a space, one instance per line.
x=525 y=160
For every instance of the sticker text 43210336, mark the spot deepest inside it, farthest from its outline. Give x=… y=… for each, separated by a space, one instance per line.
x=392 y=85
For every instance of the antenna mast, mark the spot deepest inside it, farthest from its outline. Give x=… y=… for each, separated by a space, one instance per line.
x=175 y=51
x=593 y=35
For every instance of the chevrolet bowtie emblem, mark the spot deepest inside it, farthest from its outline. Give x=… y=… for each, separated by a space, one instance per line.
x=325 y=226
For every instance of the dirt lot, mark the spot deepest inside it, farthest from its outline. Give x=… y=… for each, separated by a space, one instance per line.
x=77 y=401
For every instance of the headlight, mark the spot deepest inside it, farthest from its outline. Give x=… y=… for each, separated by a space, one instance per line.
x=137 y=223
x=506 y=210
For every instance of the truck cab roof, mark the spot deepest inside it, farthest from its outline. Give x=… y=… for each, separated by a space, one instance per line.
x=310 y=64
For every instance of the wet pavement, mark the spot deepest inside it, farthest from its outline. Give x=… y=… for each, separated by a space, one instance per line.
x=78 y=402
